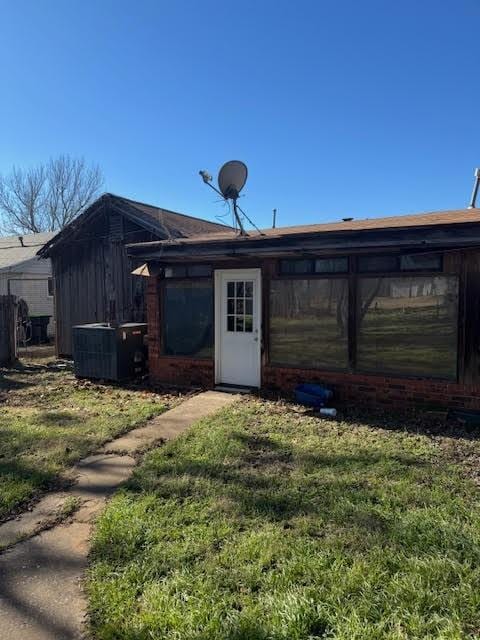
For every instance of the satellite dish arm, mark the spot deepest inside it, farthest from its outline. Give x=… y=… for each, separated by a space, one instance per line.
x=235 y=212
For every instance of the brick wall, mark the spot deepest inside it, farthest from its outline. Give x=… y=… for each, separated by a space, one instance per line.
x=368 y=390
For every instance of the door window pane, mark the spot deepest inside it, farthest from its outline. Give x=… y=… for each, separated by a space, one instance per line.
x=309 y=323
x=408 y=325
x=188 y=318
x=239 y=305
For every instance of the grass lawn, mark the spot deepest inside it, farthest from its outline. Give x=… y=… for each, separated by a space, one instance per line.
x=266 y=523
x=49 y=420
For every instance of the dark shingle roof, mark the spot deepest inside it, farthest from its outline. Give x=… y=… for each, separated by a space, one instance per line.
x=164 y=223
x=437 y=218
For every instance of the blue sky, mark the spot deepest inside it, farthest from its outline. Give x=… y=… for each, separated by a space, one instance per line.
x=338 y=107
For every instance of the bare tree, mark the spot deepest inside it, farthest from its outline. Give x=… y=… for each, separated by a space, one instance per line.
x=72 y=185
x=49 y=196
x=22 y=200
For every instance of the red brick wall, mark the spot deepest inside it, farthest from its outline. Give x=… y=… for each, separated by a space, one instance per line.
x=397 y=393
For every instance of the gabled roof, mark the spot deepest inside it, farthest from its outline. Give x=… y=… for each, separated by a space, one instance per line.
x=12 y=253
x=164 y=223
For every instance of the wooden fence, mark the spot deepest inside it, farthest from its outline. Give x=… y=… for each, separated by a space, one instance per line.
x=8 y=324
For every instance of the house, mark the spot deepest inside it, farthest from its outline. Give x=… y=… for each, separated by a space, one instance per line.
x=91 y=269
x=26 y=276
x=386 y=311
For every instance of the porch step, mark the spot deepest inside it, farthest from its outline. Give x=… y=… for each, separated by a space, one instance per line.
x=232 y=389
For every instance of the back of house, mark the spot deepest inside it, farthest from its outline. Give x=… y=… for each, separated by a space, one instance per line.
x=385 y=311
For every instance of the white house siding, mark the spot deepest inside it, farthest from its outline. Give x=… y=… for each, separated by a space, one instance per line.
x=29 y=280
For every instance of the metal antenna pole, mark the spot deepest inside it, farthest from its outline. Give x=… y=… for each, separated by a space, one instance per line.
x=237 y=217
x=473 y=201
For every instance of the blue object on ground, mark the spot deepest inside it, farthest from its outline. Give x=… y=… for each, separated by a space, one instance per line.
x=312 y=395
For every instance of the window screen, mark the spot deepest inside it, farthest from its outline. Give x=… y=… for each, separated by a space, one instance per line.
x=319 y=265
x=331 y=265
x=424 y=262
x=190 y=271
x=309 y=322
x=296 y=266
x=50 y=286
x=188 y=318
x=408 y=325
x=377 y=264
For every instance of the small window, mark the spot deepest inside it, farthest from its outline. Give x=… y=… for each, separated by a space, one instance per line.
x=296 y=266
x=240 y=306
x=50 y=286
x=377 y=264
x=191 y=271
x=421 y=262
x=176 y=272
x=331 y=265
x=199 y=270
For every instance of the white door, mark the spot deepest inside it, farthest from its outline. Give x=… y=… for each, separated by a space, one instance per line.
x=237 y=326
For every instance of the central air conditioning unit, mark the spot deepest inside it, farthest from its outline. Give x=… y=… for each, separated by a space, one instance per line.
x=106 y=352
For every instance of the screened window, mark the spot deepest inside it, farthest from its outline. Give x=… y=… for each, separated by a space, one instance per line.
x=377 y=264
x=331 y=265
x=188 y=318
x=405 y=262
x=423 y=262
x=296 y=266
x=50 y=286
x=190 y=271
x=319 y=265
x=309 y=322
x=408 y=325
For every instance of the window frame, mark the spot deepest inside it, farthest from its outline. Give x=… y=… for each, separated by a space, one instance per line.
x=308 y=276
x=312 y=259
x=411 y=376
x=353 y=275
x=187 y=267
x=161 y=292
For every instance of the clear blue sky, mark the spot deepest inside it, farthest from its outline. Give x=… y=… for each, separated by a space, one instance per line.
x=361 y=108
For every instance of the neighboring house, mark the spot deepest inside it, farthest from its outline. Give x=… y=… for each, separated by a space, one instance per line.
x=25 y=275
x=386 y=311
x=91 y=269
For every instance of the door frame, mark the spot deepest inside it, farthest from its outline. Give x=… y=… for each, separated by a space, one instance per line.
x=254 y=273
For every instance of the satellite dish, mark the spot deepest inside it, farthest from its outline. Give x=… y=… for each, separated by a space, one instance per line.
x=232 y=178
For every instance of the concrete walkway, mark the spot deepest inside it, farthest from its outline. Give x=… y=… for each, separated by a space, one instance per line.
x=41 y=578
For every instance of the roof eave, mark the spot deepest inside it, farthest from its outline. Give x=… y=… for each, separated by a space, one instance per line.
x=466 y=234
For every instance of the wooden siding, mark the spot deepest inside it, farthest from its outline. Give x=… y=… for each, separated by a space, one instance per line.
x=93 y=281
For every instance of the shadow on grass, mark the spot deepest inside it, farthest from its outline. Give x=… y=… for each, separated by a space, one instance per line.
x=278 y=485
x=58 y=419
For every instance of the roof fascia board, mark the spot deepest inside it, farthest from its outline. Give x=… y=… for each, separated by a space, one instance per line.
x=423 y=237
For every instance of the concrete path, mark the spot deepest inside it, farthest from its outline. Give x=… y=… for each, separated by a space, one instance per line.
x=41 y=578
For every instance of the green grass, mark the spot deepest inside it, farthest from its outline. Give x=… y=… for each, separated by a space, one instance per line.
x=264 y=523
x=49 y=420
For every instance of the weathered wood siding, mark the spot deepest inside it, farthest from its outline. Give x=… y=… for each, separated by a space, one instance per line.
x=8 y=322
x=93 y=281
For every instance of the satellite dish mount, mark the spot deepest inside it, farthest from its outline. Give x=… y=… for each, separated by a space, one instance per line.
x=231 y=180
